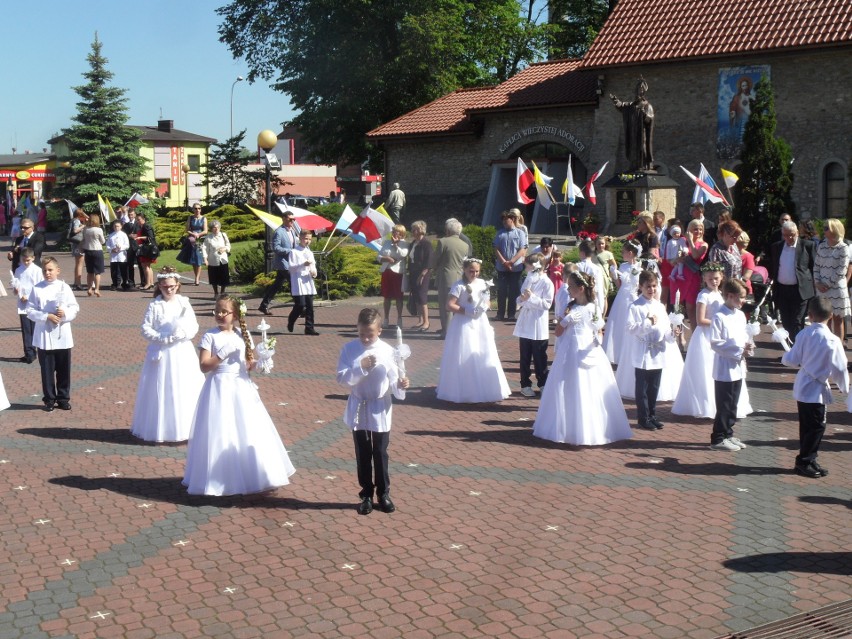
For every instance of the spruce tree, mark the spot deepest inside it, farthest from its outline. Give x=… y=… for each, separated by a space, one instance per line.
x=228 y=175
x=103 y=152
x=766 y=178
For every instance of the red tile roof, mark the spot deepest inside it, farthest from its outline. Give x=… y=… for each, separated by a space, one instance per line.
x=642 y=31
x=541 y=84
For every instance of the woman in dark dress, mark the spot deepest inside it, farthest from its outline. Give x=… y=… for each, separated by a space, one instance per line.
x=419 y=258
x=147 y=252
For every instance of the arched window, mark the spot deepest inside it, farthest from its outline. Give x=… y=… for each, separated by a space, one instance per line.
x=834 y=190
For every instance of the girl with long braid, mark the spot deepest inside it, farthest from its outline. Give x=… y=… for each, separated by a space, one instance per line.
x=580 y=404
x=234 y=448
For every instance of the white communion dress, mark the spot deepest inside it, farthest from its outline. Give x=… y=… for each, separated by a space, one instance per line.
x=615 y=333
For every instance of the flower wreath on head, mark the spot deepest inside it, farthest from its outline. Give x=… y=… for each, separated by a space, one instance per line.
x=168 y=272
x=712 y=266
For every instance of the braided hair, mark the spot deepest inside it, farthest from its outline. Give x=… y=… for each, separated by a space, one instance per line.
x=585 y=282
x=238 y=308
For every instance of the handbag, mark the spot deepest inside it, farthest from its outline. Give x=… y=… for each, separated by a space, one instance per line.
x=149 y=251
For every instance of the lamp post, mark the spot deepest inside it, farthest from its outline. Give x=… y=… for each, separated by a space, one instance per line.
x=267 y=140
x=239 y=79
x=185 y=169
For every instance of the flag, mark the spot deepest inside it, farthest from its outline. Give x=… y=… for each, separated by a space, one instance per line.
x=110 y=212
x=346 y=218
x=371 y=224
x=305 y=219
x=590 y=185
x=570 y=190
x=542 y=184
x=103 y=208
x=702 y=187
x=524 y=182
x=730 y=178
x=72 y=209
x=135 y=200
x=381 y=209
x=23 y=204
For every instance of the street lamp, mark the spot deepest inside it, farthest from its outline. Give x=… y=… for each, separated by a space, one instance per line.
x=185 y=169
x=267 y=140
x=239 y=79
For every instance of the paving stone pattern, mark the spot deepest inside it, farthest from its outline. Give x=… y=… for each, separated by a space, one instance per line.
x=497 y=534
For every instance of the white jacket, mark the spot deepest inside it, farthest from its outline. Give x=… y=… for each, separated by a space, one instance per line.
x=45 y=298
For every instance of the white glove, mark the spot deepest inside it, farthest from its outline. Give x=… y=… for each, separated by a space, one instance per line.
x=477 y=311
x=225 y=351
x=178 y=335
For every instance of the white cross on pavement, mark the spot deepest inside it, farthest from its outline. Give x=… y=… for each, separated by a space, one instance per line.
x=229 y=590
x=552 y=528
x=21 y=487
x=349 y=566
x=42 y=521
x=100 y=615
x=288 y=524
x=456 y=546
x=146 y=506
x=68 y=562
x=182 y=542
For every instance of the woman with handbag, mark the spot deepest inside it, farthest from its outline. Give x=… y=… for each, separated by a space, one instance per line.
x=93 y=251
x=216 y=248
x=392 y=258
x=75 y=236
x=147 y=252
x=196 y=229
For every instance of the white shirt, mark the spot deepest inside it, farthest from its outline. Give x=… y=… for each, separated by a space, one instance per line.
x=728 y=339
x=533 y=314
x=648 y=352
x=369 y=406
x=25 y=278
x=45 y=298
x=117 y=245
x=212 y=243
x=821 y=357
x=590 y=268
x=398 y=252
x=301 y=274
x=787 y=265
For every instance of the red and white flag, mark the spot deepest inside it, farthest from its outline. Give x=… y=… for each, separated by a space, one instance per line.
x=712 y=193
x=590 y=185
x=135 y=200
x=525 y=180
x=371 y=224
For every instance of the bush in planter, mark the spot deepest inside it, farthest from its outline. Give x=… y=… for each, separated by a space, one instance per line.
x=482 y=238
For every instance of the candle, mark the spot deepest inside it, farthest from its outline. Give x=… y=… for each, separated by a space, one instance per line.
x=677 y=300
x=399 y=336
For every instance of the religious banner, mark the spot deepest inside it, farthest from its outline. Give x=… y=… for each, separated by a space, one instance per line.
x=736 y=92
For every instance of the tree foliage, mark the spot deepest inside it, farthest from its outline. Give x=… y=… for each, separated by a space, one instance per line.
x=766 y=179
x=351 y=65
x=228 y=173
x=103 y=151
x=576 y=23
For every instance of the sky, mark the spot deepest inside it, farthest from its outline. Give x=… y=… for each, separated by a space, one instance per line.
x=165 y=53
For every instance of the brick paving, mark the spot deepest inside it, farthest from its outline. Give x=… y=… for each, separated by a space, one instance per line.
x=497 y=534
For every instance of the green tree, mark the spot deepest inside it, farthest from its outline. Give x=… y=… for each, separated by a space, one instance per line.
x=577 y=23
x=228 y=173
x=766 y=178
x=103 y=151
x=351 y=65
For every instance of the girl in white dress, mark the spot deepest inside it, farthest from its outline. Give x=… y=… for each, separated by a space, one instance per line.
x=4 y=400
x=626 y=278
x=580 y=404
x=234 y=448
x=170 y=381
x=696 y=396
x=470 y=367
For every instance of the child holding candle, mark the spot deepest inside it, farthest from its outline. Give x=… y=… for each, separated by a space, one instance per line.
x=303 y=270
x=532 y=329
x=626 y=278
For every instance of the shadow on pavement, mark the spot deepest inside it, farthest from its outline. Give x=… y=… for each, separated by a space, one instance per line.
x=834 y=563
x=824 y=500
x=671 y=465
x=114 y=436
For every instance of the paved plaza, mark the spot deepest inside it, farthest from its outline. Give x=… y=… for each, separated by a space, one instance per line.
x=496 y=533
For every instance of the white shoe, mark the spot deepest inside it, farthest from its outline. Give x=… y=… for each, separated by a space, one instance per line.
x=527 y=391
x=737 y=442
x=725 y=444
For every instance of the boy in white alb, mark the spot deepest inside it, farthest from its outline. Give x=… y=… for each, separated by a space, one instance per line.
x=730 y=343
x=532 y=329
x=52 y=306
x=587 y=266
x=820 y=355
x=118 y=244
x=27 y=275
x=366 y=366
x=303 y=270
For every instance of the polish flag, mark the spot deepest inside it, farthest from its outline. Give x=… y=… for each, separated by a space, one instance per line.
x=702 y=185
x=590 y=185
x=525 y=180
x=135 y=200
x=371 y=224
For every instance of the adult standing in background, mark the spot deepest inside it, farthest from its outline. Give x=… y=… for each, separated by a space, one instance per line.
x=392 y=258
x=131 y=229
x=41 y=217
x=196 y=229
x=696 y=211
x=286 y=237
x=215 y=250
x=832 y=270
x=791 y=265
x=147 y=242
x=395 y=202
x=28 y=238
x=75 y=237
x=419 y=272
x=93 y=251
x=510 y=248
x=447 y=263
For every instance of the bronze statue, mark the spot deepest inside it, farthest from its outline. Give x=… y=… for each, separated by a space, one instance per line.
x=638 y=128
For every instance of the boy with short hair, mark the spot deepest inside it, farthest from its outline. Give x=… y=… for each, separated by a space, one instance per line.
x=52 y=306
x=303 y=270
x=118 y=244
x=731 y=345
x=820 y=355
x=27 y=275
x=532 y=328
x=367 y=366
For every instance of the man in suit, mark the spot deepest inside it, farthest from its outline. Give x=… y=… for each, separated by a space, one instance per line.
x=791 y=266
x=131 y=228
x=30 y=238
x=447 y=265
x=285 y=238
x=696 y=211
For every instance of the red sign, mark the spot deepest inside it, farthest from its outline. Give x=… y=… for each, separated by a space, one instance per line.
x=177 y=163
x=23 y=175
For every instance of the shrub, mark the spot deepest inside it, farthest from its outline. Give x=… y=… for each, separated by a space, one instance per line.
x=248 y=263
x=482 y=238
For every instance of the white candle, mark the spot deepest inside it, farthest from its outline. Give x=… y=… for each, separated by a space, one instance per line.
x=677 y=300
x=399 y=336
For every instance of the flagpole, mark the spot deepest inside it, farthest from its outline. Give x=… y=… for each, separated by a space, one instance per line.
x=329 y=238
x=342 y=240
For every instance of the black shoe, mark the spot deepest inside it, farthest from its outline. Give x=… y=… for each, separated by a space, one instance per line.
x=289 y=327
x=386 y=505
x=822 y=471
x=265 y=310
x=25 y=360
x=510 y=318
x=311 y=332
x=366 y=506
x=808 y=471
x=48 y=406
x=648 y=426
x=657 y=423
x=499 y=318
x=64 y=405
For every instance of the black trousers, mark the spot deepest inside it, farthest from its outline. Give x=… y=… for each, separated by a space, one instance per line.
x=811 y=430
x=302 y=303
x=535 y=351
x=130 y=281
x=792 y=307
x=118 y=273
x=27 y=328
x=508 y=289
x=55 y=374
x=727 y=397
x=646 y=389
x=273 y=289
x=371 y=453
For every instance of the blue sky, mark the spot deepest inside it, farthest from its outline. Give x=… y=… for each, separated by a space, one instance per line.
x=165 y=53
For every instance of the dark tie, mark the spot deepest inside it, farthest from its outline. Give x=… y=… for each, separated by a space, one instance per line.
x=26 y=240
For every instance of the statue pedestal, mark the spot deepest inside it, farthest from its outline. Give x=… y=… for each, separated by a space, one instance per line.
x=629 y=192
